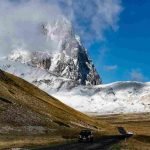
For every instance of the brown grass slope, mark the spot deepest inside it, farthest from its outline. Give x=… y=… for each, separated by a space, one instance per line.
x=24 y=105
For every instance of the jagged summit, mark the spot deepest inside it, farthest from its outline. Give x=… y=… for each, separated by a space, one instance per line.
x=69 y=59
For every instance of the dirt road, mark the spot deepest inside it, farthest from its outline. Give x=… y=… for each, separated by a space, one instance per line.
x=103 y=143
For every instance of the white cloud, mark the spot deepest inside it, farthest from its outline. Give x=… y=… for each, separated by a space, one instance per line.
x=20 y=24
x=110 y=68
x=100 y=15
x=20 y=20
x=137 y=75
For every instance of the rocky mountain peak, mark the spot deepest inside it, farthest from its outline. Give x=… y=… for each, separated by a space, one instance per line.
x=71 y=61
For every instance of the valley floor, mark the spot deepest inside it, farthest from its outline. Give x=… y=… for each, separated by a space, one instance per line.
x=138 y=124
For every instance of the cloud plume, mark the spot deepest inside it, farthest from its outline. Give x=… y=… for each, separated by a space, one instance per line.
x=92 y=17
x=20 y=21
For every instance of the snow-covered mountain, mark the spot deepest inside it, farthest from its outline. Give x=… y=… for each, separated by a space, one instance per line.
x=67 y=73
x=69 y=59
x=119 y=97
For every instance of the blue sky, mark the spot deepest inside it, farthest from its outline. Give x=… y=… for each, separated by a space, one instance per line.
x=115 y=32
x=125 y=54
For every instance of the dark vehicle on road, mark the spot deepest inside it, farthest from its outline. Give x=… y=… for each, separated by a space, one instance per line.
x=86 y=136
x=122 y=131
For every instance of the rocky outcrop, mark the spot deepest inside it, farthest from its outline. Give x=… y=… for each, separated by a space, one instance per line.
x=45 y=63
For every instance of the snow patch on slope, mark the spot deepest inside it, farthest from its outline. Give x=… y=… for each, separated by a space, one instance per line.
x=20 y=55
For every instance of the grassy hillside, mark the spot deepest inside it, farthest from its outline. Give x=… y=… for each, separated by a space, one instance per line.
x=25 y=110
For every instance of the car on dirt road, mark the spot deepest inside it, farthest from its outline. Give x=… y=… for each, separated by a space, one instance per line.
x=85 y=136
x=122 y=131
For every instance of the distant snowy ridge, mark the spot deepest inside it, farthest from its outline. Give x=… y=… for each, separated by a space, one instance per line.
x=114 y=98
